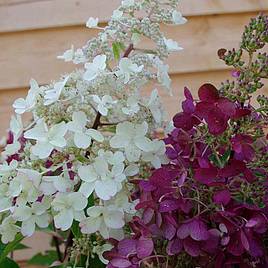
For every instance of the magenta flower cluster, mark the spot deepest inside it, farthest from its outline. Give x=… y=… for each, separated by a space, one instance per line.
x=208 y=207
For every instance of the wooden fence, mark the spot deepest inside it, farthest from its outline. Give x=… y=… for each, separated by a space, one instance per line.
x=34 y=32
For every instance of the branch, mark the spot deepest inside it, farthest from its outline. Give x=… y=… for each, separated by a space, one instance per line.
x=57 y=244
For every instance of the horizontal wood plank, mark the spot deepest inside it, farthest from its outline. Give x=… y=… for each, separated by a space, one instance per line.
x=192 y=80
x=33 y=53
x=17 y=15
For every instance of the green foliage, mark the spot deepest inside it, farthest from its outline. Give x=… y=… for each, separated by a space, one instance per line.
x=8 y=263
x=76 y=230
x=249 y=62
x=117 y=48
x=46 y=259
x=5 y=249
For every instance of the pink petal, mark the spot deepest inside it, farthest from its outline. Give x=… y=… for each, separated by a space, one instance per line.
x=120 y=263
x=198 y=230
x=222 y=197
x=208 y=93
x=174 y=247
x=145 y=247
x=191 y=247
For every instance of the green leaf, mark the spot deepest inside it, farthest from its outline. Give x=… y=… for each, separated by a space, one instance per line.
x=93 y=262
x=225 y=157
x=6 y=249
x=82 y=159
x=117 y=48
x=46 y=259
x=8 y=263
x=116 y=51
x=91 y=201
x=96 y=263
x=20 y=246
x=76 y=229
x=213 y=158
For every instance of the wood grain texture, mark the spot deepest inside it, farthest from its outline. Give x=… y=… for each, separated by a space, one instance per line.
x=18 y=15
x=172 y=104
x=33 y=53
x=34 y=32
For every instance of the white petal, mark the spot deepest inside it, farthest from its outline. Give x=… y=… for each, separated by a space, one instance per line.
x=5 y=204
x=100 y=61
x=22 y=213
x=90 y=225
x=39 y=132
x=28 y=227
x=80 y=118
x=43 y=220
x=64 y=219
x=90 y=75
x=101 y=166
x=92 y=22
x=118 y=141
x=87 y=188
x=105 y=190
x=58 y=142
x=82 y=140
x=132 y=153
x=78 y=200
x=143 y=143
x=62 y=184
x=58 y=131
x=42 y=149
x=87 y=173
x=132 y=170
x=114 y=219
x=20 y=106
x=96 y=135
x=47 y=187
x=104 y=231
x=95 y=211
